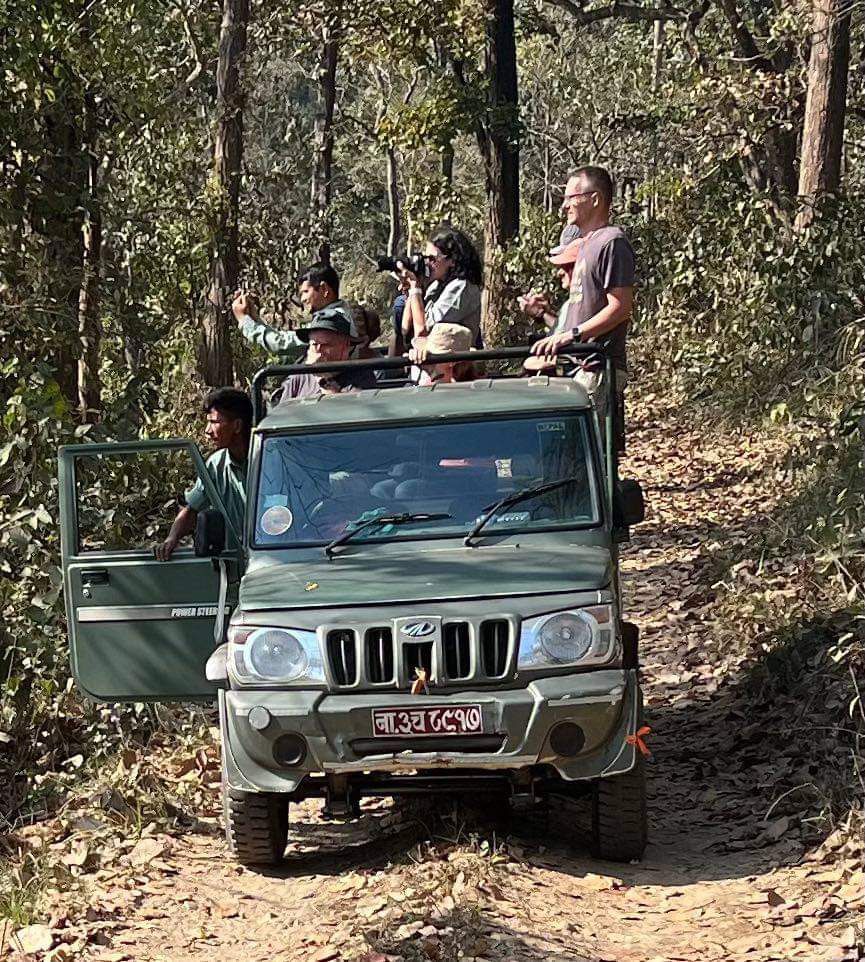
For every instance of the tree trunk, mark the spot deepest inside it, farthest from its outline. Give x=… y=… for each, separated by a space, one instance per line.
x=216 y=363
x=448 y=164
x=823 y=133
x=500 y=151
x=89 y=326
x=658 y=46
x=394 y=234
x=547 y=197
x=322 y=175
x=58 y=218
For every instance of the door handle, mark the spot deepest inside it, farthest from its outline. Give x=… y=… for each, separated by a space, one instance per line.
x=94 y=576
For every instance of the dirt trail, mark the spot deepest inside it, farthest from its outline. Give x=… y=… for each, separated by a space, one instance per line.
x=719 y=881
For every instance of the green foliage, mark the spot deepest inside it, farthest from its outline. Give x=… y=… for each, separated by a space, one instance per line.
x=23 y=883
x=35 y=421
x=738 y=311
x=742 y=308
x=524 y=267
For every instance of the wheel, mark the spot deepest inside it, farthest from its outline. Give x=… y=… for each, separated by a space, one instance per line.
x=619 y=819
x=256 y=826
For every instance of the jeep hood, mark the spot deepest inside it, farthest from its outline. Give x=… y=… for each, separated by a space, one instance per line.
x=372 y=577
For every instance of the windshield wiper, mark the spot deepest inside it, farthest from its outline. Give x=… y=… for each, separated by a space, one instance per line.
x=380 y=519
x=522 y=495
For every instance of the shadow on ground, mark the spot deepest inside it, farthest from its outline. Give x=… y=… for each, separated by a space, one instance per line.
x=471 y=933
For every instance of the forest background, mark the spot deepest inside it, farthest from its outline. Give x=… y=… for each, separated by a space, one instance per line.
x=157 y=154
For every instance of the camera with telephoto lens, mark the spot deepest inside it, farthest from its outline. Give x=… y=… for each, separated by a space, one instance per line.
x=414 y=262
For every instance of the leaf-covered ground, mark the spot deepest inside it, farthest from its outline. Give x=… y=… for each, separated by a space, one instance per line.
x=745 y=862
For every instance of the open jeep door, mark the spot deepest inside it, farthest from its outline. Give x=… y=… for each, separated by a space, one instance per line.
x=139 y=629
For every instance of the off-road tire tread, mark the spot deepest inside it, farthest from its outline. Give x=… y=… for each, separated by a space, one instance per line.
x=256 y=826
x=619 y=815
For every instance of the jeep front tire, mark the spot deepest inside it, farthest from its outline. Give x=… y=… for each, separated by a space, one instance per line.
x=619 y=817
x=256 y=826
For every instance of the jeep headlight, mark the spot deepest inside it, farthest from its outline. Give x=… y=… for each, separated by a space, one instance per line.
x=275 y=654
x=579 y=637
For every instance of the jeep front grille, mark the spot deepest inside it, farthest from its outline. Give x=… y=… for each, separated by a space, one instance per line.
x=474 y=744
x=378 y=643
x=342 y=655
x=467 y=652
x=494 y=647
x=417 y=654
x=457 y=648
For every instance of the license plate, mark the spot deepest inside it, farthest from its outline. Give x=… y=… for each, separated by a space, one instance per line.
x=434 y=720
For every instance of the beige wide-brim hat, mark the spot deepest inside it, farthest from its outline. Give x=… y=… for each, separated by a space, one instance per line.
x=448 y=339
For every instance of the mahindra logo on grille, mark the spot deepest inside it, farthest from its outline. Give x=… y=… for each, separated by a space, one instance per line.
x=418 y=629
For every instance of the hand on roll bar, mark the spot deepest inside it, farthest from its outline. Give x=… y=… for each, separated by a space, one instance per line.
x=548 y=347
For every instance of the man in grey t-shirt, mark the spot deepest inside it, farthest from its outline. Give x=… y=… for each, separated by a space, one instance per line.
x=329 y=339
x=602 y=285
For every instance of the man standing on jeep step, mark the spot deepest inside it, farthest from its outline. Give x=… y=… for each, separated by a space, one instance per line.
x=602 y=284
x=229 y=423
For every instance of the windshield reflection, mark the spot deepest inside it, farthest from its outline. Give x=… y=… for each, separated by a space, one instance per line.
x=313 y=486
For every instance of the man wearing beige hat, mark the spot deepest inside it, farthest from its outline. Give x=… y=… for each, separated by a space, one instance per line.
x=444 y=338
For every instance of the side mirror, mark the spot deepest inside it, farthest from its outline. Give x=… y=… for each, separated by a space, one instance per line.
x=209 y=534
x=630 y=504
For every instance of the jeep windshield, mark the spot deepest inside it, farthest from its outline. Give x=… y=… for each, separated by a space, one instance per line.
x=314 y=486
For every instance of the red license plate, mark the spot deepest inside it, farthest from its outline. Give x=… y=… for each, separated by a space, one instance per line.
x=434 y=720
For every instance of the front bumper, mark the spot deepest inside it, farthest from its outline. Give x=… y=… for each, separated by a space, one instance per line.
x=604 y=703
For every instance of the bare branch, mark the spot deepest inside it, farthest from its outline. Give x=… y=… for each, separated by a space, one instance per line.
x=382 y=89
x=627 y=11
x=410 y=90
x=197 y=59
x=745 y=42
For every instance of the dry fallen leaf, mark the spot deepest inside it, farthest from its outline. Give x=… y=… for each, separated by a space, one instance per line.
x=324 y=955
x=34 y=939
x=408 y=930
x=146 y=850
x=77 y=855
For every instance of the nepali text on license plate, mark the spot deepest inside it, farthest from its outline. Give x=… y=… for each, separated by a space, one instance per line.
x=437 y=720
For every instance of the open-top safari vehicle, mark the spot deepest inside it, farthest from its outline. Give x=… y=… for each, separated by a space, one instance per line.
x=424 y=598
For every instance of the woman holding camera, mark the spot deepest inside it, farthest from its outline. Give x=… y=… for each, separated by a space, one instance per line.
x=453 y=292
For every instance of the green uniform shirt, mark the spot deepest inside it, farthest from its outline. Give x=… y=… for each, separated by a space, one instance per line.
x=287 y=342
x=229 y=479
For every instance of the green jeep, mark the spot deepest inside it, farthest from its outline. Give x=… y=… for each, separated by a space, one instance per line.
x=425 y=599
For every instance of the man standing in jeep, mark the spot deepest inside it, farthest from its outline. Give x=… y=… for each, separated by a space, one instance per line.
x=318 y=288
x=602 y=284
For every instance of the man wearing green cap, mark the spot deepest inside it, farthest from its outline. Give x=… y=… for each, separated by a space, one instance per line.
x=328 y=338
